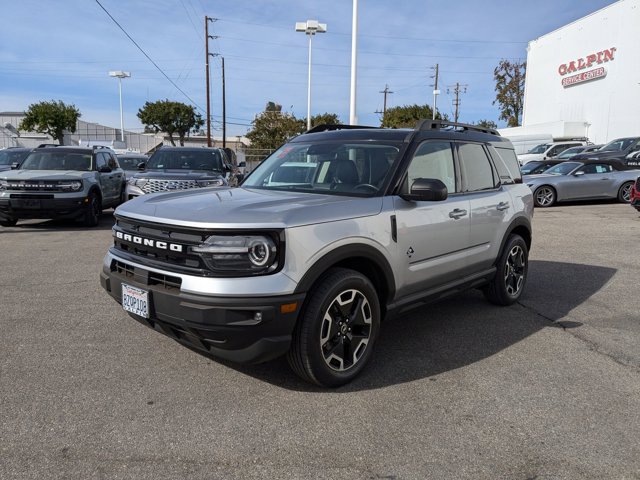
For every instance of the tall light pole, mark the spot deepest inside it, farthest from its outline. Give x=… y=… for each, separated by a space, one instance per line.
x=120 y=75
x=353 y=118
x=310 y=27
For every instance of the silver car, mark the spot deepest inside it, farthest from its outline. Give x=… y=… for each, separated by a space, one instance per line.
x=572 y=181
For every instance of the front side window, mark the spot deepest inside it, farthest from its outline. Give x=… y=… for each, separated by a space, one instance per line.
x=101 y=161
x=358 y=169
x=595 y=168
x=477 y=172
x=433 y=159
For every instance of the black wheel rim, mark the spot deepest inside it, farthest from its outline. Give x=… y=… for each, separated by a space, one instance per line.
x=514 y=270
x=345 y=330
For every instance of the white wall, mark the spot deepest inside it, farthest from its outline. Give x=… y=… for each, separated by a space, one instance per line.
x=611 y=105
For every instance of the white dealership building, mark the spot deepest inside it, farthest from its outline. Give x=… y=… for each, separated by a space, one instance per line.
x=583 y=79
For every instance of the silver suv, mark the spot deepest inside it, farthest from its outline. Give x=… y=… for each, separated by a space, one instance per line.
x=62 y=182
x=367 y=223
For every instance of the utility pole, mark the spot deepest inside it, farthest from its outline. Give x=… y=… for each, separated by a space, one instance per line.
x=456 y=103
x=436 y=92
x=207 y=55
x=224 y=110
x=386 y=91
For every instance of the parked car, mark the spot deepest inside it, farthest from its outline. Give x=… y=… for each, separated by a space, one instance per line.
x=633 y=160
x=62 y=182
x=573 y=151
x=179 y=168
x=586 y=180
x=12 y=157
x=618 y=149
x=548 y=150
x=132 y=162
x=538 y=166
x=635 y=195
x=377 y=221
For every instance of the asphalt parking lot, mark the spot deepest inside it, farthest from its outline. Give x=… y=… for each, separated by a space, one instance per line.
x=546 y=389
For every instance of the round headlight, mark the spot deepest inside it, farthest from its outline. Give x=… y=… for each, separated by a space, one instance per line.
x=261 y=251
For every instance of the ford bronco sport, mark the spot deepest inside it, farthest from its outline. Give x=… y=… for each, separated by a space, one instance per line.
x=62 y=182
x=387 y=220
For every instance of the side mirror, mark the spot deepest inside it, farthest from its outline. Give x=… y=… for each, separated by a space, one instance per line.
x=578 y=174
x=104 y=169
x=142 y=165
x=426 y=190
x=14 y=165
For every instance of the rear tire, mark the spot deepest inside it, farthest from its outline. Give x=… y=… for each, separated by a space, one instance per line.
x=335 y=334
x=511 y=273
x=624 y=194
x=92 y=211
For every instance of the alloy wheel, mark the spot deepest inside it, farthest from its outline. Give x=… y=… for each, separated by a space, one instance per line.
x=545 y=196
x=514 y=270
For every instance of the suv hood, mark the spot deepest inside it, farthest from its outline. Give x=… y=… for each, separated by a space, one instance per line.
x=246 y=208
x=177 y=174
x=44 y=174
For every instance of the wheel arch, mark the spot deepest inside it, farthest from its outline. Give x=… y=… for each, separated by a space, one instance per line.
x=358 y=257
x=519 y=226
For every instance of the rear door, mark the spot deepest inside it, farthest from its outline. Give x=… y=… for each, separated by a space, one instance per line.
x=433 y=237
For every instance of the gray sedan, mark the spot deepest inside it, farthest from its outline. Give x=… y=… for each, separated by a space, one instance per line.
x=572 y=181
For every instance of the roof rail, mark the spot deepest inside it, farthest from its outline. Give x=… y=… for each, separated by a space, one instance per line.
x=329 y=127
x=44 y=145
x=96 y=147
x=444 y=124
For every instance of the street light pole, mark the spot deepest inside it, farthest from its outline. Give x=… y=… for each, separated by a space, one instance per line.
x=119 y=74
x=310 y=27
x=353 y=118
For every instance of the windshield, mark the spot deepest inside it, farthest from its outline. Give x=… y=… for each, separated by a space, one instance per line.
x=540 y=148
x=570 y=152
x=563 y=168
x=8 y=157
x=358 y=169
x=617 y=145
x=57 y=161
x=176 y=159
x=130 y=163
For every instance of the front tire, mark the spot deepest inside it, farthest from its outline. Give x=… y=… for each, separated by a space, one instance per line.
x=624 y=194
x=511 y=273
x=92 y=211
x=335 y=334
x=544 y=196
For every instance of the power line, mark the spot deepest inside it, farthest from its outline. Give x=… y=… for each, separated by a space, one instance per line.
x=148 y=57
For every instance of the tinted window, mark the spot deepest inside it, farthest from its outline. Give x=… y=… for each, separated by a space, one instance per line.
x=111 y=161
x=7 y=157
x=563 y=168
x=596 y=168
x=57 y=160
x=432 y=160
x=506 y=162
x=101 y=160
x=477 y=172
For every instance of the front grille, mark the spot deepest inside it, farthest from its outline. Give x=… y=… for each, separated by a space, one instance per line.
x=36 y=186
x=154 y=186
x=146 y=277
x=138 y=241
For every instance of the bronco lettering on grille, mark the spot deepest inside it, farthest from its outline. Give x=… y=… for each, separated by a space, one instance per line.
x=148 y=242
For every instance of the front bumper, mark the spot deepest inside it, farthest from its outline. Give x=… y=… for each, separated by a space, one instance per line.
x=42 y=206
x=240 y=329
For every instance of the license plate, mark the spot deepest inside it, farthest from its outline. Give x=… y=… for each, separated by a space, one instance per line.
x=135 y=300
x=27 y=203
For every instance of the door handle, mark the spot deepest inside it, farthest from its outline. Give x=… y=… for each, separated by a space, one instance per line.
x=457 y=213
x=503 y=206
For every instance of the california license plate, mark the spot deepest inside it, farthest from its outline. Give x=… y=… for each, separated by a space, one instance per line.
x=135 y=300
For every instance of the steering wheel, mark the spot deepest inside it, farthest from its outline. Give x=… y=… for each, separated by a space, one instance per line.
x=366 y=187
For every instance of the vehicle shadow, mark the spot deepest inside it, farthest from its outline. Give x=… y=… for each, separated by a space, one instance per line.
x=459 y=331
x=105 y=223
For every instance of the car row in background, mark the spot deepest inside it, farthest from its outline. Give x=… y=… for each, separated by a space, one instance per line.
x=575 y=180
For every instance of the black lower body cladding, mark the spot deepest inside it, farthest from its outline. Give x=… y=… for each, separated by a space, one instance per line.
x=242 y=330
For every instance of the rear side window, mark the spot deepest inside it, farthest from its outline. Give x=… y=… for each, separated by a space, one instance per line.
x=507 y=164
x=477 y=172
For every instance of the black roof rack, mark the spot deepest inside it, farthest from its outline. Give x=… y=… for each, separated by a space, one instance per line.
x=329 y=127
x=445 y=124
x=46 y=145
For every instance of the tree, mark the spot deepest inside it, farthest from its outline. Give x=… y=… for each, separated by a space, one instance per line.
x=487 y=124
x=510 y=77
x=273 y=128
x=408 y=115
x=170 y=117
x=322 y=119
x=52 y=118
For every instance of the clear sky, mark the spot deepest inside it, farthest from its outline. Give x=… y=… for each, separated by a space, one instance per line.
x=63 y=50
